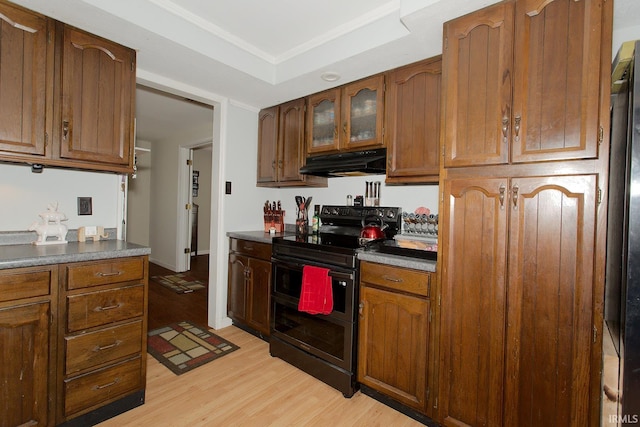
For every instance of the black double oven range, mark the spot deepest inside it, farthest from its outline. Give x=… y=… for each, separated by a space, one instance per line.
x=323 y=345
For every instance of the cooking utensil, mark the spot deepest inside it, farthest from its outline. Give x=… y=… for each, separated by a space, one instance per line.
x=372 y=231
x=298 y=201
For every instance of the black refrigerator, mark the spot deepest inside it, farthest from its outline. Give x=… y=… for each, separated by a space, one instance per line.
x=622 y=295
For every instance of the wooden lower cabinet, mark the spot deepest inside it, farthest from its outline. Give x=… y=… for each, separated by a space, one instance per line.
x=393 y=338
x=27 y=346
x=249 y=285
x=102 y=334
x=517 y=301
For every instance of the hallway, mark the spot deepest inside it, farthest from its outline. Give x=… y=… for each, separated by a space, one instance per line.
x=166 y=306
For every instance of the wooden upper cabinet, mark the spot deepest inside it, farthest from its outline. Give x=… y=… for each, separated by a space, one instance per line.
x=413 y=122
x=556 y=80
x=474 y=297
x=268 y=145
x=98 y=90
x=477 y=62
x=522 y=83
x=26 y=81
x=363 y=114
x=346 y=118
x=291 y=141
x=281 y=146
x=323 y=120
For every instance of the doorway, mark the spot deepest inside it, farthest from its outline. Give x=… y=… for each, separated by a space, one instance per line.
x=196 y=175
x=169 y=126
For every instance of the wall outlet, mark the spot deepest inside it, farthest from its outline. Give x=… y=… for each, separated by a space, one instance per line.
x=85 y=206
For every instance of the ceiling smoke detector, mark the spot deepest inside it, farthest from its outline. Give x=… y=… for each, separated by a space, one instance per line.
x=330 y=76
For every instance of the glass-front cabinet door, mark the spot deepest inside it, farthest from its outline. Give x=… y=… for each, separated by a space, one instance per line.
x=346 y=118
x=323 y=117
x=363 y=110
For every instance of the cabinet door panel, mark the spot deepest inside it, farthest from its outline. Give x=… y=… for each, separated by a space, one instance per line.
x=267 y=147
x=26 y=60
x=291 y=141
x=413 y=121
x=394 y=332
x=473 y=303
x=552 y=236
x=259 y=295
x=24 y=371
x=237 y=286
x=322 y=133
x=477 y=86
x=556 y=85
x=363 y=114
x=98 y=81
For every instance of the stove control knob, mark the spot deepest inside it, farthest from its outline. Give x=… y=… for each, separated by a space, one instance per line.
x=335 y=211
x=391 y=214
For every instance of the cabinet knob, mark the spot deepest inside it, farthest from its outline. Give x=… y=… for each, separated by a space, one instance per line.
x=360 y=308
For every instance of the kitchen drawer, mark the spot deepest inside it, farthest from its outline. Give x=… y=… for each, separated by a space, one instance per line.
x=103 y=346
x=84 y=275
x=102 y=386
x=25 y=283
x=101 y=307
x=252 y=249
x=397 y=278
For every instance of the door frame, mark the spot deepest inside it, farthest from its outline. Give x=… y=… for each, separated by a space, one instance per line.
x=185 y=153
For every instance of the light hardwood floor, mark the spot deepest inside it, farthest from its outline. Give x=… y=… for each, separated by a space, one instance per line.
x=250 y=388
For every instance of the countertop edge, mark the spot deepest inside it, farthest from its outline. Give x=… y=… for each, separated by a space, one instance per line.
x=398 y=261
x=18 y=256
x=256 y=236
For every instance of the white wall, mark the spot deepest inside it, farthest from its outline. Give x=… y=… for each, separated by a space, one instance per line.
x=139 y=198
x=164 y=202
x=25 y=194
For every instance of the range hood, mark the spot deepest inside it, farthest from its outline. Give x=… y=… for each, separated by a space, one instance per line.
x=353 y=163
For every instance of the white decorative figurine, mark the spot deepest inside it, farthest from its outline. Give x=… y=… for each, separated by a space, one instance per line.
x=50 y=226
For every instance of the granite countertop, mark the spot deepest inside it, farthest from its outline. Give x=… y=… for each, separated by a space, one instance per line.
x=29 y=255
x=395 y=260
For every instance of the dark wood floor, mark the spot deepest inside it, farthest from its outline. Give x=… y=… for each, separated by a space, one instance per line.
x=166 y=306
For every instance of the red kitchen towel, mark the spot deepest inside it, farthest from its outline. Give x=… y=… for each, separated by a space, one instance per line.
x=316 y=296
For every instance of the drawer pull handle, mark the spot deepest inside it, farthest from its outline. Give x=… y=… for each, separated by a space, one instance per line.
x=392 y=279
x=106 y=347
x=117 y=273
x=100 y=387
x=108 y=307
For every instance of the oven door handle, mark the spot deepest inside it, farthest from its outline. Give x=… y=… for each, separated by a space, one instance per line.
x=299 y=265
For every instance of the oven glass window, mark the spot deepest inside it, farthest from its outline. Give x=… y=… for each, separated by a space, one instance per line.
x=288 y=281
x=314 y=331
